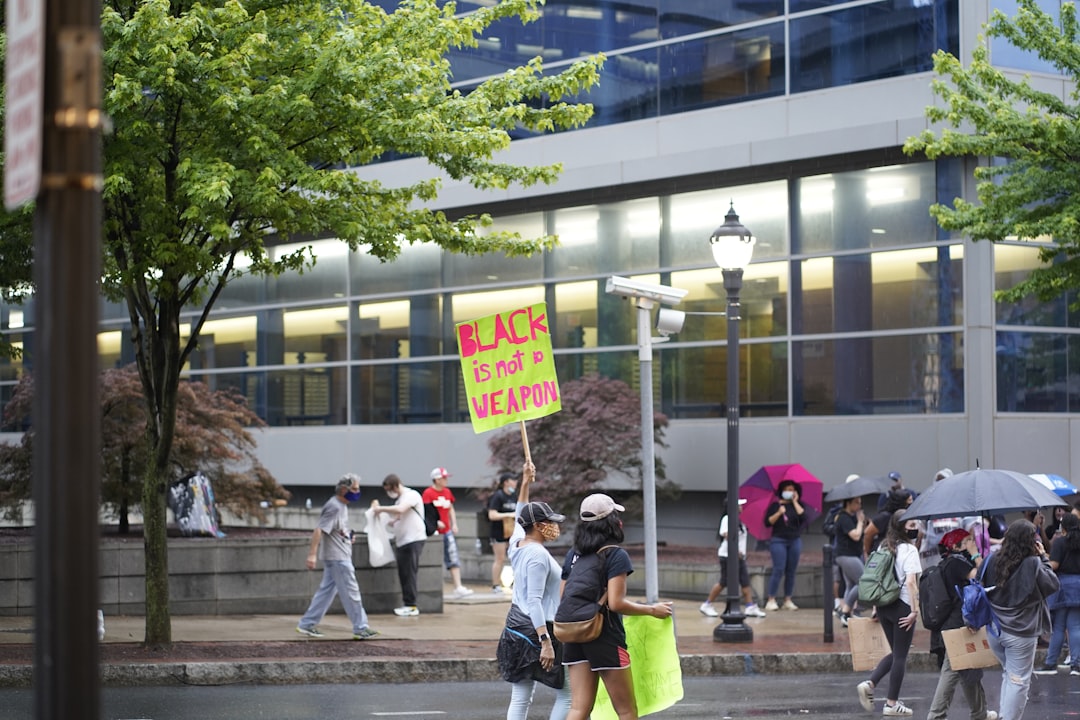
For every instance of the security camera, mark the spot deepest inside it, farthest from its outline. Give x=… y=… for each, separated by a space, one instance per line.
x=637 y=289
x=669 y=321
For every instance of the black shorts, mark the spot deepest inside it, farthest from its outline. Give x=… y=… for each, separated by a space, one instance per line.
x=607 y=652
x=744 y=574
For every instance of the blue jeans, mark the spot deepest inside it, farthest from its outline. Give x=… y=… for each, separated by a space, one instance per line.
x=785 y=561
x=1066 y=618
x=521 y=695
x=339 y=578
x=450 y=553
x=1017 y=657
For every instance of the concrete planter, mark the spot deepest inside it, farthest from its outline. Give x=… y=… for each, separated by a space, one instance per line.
x=209 y=576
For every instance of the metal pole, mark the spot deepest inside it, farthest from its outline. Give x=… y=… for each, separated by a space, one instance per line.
x=648 y=469
x=734 y=627
x=67 y=454
x=827 y=591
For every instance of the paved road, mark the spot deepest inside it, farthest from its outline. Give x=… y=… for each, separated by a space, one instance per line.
x=763 y=697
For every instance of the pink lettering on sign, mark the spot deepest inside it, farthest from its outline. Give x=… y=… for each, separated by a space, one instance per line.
x=518 y=328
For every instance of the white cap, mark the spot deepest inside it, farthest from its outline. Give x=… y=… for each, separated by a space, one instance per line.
x=598 y=506
x=439 y=473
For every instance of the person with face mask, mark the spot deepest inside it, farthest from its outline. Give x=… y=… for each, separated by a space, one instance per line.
x=339 y=573
x=528 y=651
x=787 y=517
x=897 y=619
x=409 y=538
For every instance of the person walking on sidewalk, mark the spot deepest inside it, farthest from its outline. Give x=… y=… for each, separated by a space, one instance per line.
x=528 y=651
x=339 y=573
x=960 y=558
x=1019 y=579
x=605 y=658
x=1065 y=603
x=409 y=538
x=752 y=610
x=850 y=526
x=443 y=499
x=786 y=516
x=898 y=618
x=501 y=520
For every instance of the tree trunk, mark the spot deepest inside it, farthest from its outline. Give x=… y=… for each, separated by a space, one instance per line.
x=124 y=525
x=155 y=548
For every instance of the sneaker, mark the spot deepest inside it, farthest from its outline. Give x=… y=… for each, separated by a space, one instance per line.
x=460 y=592
x=366 y=633
x=897 y=710
x=1045 y=670
x=1074 y=670
x=788 y=605
x=771 y=606
x=866 y=695
x=310 y=632
x=752 y=610
x=844 y=619
x=497 y=589
x=991 y=715
x=407 y=611
x=708 y=610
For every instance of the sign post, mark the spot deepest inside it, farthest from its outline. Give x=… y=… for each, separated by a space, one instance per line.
x=23 y=81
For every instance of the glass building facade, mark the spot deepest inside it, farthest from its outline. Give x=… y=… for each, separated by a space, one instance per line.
x=856 y=303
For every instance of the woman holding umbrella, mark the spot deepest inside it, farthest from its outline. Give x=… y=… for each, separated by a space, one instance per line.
x=786 y=516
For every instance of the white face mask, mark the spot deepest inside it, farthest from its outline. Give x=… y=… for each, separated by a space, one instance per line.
x=788 y=495
x=393 y=495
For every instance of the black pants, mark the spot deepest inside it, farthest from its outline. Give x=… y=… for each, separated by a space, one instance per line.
x=408 y=565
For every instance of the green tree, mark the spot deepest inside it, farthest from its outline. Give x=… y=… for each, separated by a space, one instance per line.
x=1028 y=186
x=213 y=435
x=232 y=123
x=596 y=434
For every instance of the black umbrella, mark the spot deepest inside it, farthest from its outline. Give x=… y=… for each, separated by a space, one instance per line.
x=982 y=492
x=859 y=487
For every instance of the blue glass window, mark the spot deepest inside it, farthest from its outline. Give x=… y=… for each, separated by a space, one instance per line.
x=1038 y=372
x=722 y=69
x=694 y=16
x=1012 y=265
x=868 y=42
x=1005 y=54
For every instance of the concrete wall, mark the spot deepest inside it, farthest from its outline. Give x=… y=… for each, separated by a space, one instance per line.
x=224 y=576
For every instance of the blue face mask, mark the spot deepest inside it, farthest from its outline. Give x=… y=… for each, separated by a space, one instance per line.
x=352 y=496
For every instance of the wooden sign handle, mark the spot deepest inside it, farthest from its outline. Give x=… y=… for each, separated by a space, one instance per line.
x=525 y=442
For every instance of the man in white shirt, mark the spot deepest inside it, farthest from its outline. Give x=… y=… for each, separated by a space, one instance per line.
x=752 y=610
x=409 y=538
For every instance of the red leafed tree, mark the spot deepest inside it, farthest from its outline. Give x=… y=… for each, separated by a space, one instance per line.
x=213 y=436
x=596 y=436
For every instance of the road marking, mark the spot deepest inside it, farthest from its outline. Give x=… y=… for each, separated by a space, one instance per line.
x=410 y=713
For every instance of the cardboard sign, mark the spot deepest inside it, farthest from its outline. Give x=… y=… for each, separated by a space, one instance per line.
x=508 y=367
x=968 y=649
x=868 y=643
x=654 y=664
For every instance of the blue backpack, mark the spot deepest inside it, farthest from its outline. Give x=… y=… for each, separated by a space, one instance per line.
x=976 y=605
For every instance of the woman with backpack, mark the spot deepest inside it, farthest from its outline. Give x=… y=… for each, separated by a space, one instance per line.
x=595 y=570
x=528 y=652
x=898 y=618
x=1018 y=579
x=1065 y=603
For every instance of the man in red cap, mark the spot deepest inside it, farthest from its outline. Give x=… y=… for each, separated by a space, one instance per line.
x=959 y=560
x=442 y=498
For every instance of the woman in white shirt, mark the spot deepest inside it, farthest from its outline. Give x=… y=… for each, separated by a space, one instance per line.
x=898 y=619
x=528 y=651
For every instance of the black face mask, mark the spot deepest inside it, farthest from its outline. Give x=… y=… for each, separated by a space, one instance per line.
x=965 y=554
x=913 y=534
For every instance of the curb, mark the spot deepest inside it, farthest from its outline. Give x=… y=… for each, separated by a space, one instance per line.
x=299 y=672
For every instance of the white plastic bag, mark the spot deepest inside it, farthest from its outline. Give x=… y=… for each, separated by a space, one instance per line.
x=378 y=539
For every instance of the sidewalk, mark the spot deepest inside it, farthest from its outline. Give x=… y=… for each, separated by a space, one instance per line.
x=458 y=644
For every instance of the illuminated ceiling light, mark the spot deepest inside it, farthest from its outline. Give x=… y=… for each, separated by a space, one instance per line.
x=878 y=231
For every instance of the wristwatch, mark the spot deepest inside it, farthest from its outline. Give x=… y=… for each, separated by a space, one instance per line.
x=545 y=638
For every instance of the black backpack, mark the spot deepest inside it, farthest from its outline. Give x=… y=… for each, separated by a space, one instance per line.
x=431 y=518
x=936 y=602
x=828 y=528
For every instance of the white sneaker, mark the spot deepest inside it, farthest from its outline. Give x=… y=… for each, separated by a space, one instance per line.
x=866 y=695
x=991 y=715
x=771 y=606
x=407 y=611
x=752 y=610
x=897 y=710
x=461 y=591
x=708 y=610
x=788 y=605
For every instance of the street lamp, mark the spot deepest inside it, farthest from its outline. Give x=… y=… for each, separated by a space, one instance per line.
x=732 y=247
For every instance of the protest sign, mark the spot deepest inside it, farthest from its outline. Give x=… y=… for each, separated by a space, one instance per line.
x=654 y=664
x=508 y=368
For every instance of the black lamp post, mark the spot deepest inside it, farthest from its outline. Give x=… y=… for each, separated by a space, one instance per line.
x=732 y=247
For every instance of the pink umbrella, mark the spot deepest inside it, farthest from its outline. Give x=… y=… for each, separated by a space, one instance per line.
x=759 y=491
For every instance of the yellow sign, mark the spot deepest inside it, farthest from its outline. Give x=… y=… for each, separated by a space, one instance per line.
x=508 y=368
x=654 y=662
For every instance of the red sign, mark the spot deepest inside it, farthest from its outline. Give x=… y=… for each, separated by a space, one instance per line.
x=23 y=79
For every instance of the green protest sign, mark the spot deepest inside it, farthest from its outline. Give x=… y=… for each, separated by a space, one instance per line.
x=508 y=368
x=654 y=663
